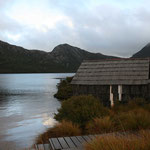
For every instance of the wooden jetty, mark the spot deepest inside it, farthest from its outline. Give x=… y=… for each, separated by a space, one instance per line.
x=77 y=142
x=66 y=143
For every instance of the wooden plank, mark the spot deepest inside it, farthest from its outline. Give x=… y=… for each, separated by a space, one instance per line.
x=36 y=147
x=69 y=142
x=109 y=77
x=76 y=141
x=77 y=148
x=97 y=135
x=89 y=62
x=91 y=137
x=63 y=143
x=51 y=145
x=86 y=138
x=105 y=78
x=81 y=139
x=113 y=64
x=111 y=82
x=137 y=69
x=40 y=147
x=47 y=147
x=56 y=143
x=98 y=70
x=110 y=64
x=117 y=73
x=114 y=72
x=94 y=135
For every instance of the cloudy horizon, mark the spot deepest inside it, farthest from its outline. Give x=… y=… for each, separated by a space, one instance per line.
x=110 y=27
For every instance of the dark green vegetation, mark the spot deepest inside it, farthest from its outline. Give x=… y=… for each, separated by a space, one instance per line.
x=63 y=58
x=64 y=89
x=81 y=109
x=89 y=116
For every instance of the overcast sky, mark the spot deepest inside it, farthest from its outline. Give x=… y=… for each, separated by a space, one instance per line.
x=114 y=27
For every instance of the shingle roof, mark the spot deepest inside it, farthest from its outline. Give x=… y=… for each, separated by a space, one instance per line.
x=111 y=72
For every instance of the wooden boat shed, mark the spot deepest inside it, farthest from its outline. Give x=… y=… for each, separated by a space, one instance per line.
x=114 y=79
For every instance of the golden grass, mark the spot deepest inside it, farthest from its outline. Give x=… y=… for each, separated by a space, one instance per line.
x=136 y=119
x=100 y=125
x=133 y=116
x=121 y=143
x=133 y=120
x=65 y=128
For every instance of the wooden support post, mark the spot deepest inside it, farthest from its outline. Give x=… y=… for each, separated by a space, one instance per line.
x=120 y=92
x=111 y=97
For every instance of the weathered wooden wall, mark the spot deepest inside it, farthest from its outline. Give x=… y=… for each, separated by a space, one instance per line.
x=102 y=92
x=99 y=91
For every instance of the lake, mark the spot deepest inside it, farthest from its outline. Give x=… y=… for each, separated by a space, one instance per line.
x=27 y=107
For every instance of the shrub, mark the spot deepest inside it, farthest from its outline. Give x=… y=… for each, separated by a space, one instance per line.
x=64 y=89
x=133 y=120
x=65 y=128
x=132 y=104
x=81 y=109
x=137 y=102
x=120 y=143
x=100 y=125
x=147 y=107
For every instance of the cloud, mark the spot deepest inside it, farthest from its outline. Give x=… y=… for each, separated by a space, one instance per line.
x=111 y=27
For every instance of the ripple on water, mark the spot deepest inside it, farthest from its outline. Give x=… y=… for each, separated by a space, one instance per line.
x=27 y=107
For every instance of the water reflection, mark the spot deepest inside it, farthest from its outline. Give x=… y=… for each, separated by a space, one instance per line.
x=48 y=121
x=27 y=106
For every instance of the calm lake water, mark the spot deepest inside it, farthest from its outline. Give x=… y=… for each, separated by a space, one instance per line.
x=27 y=107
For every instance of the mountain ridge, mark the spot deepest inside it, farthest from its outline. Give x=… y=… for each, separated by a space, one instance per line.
x=63 y=58
x=143 y=53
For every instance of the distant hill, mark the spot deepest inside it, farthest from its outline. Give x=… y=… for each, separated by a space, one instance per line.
x=144 y=52
x=63 y=58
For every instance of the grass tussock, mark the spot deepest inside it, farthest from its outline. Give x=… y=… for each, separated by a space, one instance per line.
x=86 y=115
x=100 y=125
x=65 y=128
x=121 y=143
x=130 y=105
x=136 y=119
x=132 y=120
